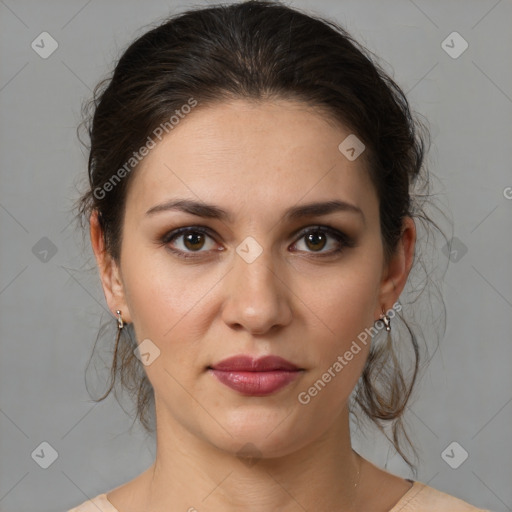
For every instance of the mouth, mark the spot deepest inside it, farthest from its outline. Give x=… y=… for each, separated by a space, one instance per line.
x=255 y=377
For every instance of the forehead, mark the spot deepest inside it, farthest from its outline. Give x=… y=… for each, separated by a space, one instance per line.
x=246 y=153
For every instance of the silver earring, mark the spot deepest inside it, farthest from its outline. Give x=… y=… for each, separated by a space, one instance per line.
x=120 y=323
x=387 y=321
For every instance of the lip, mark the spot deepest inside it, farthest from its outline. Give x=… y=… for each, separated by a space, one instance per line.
x=255 y=377
x=245 y=363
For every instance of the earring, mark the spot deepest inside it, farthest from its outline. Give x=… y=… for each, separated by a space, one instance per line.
x=120 y=323
x=387 y=321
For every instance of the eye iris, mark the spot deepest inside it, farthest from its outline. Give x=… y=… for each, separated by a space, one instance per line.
x=314 y=237
x=191 y=240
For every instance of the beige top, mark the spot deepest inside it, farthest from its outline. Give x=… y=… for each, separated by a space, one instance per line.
x=419 y=498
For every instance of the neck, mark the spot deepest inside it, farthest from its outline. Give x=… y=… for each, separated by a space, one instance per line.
x=190 y=473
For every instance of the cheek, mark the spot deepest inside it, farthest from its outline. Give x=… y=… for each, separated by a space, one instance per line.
x=162 y=294
x=341 y=302
x=338 y=351
x=172 y=305
x=341 y=307
x=166 y=300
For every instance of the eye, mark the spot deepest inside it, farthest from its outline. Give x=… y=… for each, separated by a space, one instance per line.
x=318 y=237
x=188 y=240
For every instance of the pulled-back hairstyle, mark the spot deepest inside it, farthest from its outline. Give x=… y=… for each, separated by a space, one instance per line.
x=257 y=51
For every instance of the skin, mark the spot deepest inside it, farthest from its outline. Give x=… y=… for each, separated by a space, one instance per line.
x=254 y=160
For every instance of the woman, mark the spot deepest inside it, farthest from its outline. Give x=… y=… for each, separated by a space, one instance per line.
x=252 y=219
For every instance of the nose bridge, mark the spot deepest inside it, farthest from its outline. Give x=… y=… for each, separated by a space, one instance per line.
x=256 y=297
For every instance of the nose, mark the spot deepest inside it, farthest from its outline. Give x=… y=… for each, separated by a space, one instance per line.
x=257 y=296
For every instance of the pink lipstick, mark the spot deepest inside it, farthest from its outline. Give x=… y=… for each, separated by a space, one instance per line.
x=255 y=377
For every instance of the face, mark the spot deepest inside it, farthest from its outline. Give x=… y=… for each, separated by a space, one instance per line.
x=269 y=277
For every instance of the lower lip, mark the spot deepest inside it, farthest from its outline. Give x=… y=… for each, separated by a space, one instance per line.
x=256 y=383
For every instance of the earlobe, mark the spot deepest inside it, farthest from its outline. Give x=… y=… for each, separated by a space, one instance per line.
x=109 y=271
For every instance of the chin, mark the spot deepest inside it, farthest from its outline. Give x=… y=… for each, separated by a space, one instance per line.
x=257 y=437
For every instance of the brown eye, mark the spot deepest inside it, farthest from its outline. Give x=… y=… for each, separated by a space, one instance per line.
x=186 y=241
x=193 y=240
x=316 y=240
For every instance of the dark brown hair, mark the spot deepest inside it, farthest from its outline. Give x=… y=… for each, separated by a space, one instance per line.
x=259 y=51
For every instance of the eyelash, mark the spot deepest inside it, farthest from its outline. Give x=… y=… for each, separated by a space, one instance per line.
x=343 y=239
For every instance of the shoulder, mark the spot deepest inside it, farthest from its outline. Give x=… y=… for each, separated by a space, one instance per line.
x=96 y=504
x=423 y=498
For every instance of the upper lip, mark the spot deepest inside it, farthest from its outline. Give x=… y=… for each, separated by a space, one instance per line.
x=249 y=364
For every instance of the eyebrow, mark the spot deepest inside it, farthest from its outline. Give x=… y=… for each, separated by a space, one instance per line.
x=215 y=212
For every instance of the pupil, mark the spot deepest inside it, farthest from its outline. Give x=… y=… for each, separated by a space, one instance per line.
x=193 y=239
x=314 y=237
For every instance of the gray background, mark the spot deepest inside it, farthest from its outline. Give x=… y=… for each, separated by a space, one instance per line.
x=51 y=305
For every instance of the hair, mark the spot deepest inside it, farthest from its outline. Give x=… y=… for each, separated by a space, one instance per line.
x=262 y=51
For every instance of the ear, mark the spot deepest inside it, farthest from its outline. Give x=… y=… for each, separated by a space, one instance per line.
x=110 y=274
x=396 y=272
